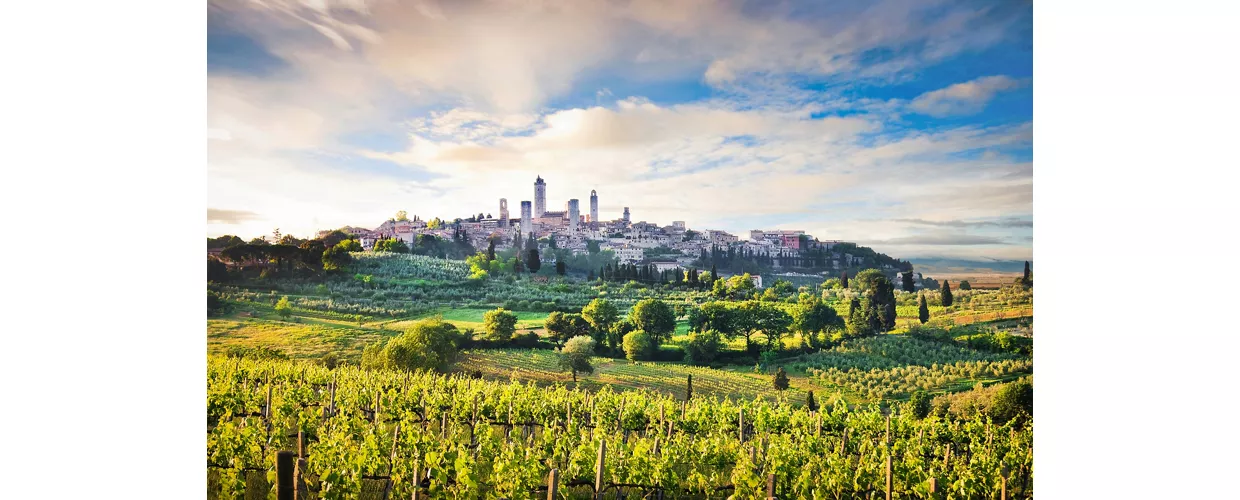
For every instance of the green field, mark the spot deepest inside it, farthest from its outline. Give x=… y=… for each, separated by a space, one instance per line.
x=466 y=317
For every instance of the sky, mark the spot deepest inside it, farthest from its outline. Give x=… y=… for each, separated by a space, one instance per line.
x=906 y=126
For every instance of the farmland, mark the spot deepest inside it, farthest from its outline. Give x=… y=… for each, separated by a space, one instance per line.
x=306 y=335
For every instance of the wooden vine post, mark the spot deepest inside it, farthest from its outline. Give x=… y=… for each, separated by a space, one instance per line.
x=417 y=480
x=770 y=486
x=740 y=425
x=1003 y=477
x=598 y=471
x=284 y=475
x=888 y=472
x=553 y=480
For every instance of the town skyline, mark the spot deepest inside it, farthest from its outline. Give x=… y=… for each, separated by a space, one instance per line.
x=915 y=141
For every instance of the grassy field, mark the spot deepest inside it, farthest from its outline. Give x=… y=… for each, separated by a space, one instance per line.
x=470 y=318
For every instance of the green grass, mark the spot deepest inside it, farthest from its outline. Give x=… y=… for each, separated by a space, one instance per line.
x=299 y=340
x=471 y=318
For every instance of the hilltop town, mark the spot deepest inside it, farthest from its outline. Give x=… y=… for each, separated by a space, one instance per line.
x=789 y=253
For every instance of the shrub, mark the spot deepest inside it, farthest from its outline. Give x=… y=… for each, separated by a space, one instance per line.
x=499 y=324
x=919 y=404
x=702 y=348
x=430 y=344
x=330 y=360
x=1013 y=401
x=283 y=308
x=637 y=345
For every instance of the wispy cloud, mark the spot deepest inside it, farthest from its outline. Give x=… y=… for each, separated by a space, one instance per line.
x=964 y=98
x=729 y=115
x=221 y=216
x=942 y=239
x=1007 y=222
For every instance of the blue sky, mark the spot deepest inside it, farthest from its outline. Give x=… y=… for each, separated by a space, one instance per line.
x=902 y=125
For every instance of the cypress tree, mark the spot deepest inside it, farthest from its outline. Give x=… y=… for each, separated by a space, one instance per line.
x=810 y=402
x=923 y=312
x=1027 y=279
x=844 y=279
x=945 y=294
x=908 y=281
x=532 y=260
x=781 y=379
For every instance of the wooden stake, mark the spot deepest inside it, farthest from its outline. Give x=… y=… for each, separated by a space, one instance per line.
x=553 y=480
x=392 y=458
x=284 y=475
x=889 y=473
x=934 y=485
x=818 y=431
x=844 y=442
x=301 y=444
x=887 y=436
x=947 y=455
x=417 y=480
x=740 y=424
x=770 y=486
x=598 y=471
x=299 y=481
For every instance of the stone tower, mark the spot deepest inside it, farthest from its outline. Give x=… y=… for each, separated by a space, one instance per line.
x=527 y=222
x=574 y=214
x=503 y=212
x=540 y=197
x=626 y=215
x=593 y=207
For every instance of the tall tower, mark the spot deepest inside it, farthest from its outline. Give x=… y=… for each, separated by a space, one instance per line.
x=527 y=223
x=540 y=197
x=626 y=215
x=574 y=214
x=503 y=212
x=593 y=207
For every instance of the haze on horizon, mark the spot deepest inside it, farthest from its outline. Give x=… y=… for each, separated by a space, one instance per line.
x=901 y=125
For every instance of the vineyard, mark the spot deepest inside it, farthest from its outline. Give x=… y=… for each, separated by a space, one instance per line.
x=666 y=378
x=897 y=365
x=360 y=434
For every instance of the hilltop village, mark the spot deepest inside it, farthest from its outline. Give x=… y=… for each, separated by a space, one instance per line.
x=664 y=248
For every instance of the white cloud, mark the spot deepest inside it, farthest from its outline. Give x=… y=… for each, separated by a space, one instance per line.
x=964 y=98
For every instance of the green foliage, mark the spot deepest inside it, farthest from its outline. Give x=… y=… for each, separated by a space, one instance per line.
x=257 y=353
x=964 y=285
x=638 y=345
x=214 y=304
x=655 y=318
x=1013 y=401
x=533 y=262
x=781 y=379
x=216 y=271
x=394 y=245
x=602 y=315
x=337 y=257
x=923 y=312
x=430 y=344
x=919 y=404
x=499 y=324
x=703 y=347
x=330 y=360
x=563 y=327
x=945 y=294
x=283 y=308
x=576 y=354
x=813 y=316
